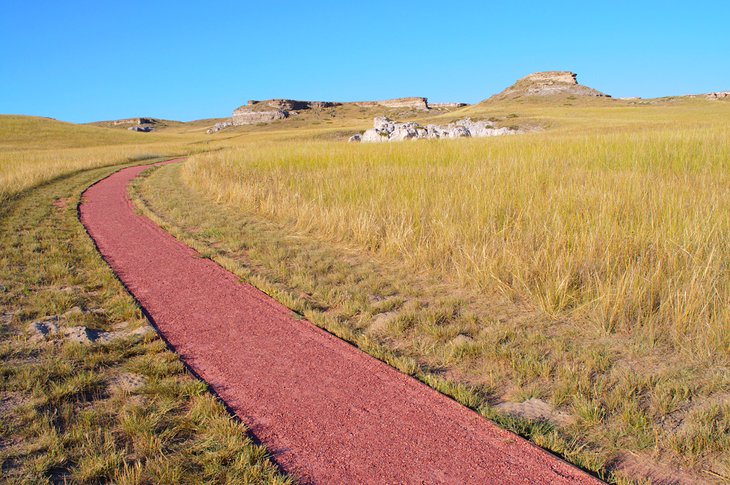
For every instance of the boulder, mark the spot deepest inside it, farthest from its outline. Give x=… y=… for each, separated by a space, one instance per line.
x=454 y=131
x=374 y=136
x=382 y=123
x=355 y=138
x=406 y=131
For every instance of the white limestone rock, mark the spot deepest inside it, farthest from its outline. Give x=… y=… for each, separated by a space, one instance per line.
x=385 y=129
x=374 y=136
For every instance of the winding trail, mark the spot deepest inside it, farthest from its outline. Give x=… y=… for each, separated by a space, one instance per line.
x=327 y=412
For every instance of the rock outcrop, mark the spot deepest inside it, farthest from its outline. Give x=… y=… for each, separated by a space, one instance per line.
x=249 y=117
x=142 y=128
x=384 y=129
x=143 y=125
x=446 y=105
x=549 y=83
x=416 y=103
x=219 y=126
x=718 y=95
x=274 y=109
x=266 y=111
x=134 y=121
x=289 y=104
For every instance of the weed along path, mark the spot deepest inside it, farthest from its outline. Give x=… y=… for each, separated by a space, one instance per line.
x=326 y=411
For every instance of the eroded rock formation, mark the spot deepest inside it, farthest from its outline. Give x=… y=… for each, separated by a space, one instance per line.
x=134 y=121
x=549 y=83
x=219 y=126
x=255 y=111
x=384 y=129
x=249 y=117
x=446 y=105
x=273 y=109
x=408 y=103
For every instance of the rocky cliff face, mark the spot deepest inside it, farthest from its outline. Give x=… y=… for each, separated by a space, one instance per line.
x=243 y=116
x=287 y=105
x=274 y=109
x=549 y=83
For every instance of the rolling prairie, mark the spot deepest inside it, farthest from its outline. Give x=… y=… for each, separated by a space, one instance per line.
x=569 y=283
x=34 y=150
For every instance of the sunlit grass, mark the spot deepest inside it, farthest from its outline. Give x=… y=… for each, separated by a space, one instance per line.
x=611 y=225
x=34 y=150
x=626 y=231
x=64 y=416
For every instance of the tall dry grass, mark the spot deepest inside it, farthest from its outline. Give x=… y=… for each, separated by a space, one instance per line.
x=34 y=150
x=23 y=169
x=627 y=231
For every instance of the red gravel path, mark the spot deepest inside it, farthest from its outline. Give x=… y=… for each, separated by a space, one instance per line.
x=327 y=412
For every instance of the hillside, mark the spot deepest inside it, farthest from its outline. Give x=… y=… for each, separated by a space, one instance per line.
x=549 y=83
x=18 y=132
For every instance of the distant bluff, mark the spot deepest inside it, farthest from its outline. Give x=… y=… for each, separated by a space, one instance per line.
x=548 y=83
x=276 y=109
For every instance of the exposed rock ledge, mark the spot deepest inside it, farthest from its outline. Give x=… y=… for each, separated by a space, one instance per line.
x=385 y=129
x=255 y=112
x=410 y=103
x=144 y=125
x=246 y=117
x=718 y=95
x=134 y=121
x=273 y=109
x=446 y=105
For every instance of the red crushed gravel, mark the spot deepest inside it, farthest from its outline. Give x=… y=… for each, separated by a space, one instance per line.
x=327 y=412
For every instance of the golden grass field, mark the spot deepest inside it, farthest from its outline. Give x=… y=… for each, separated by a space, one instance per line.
x=584 y=264
x=34 y=150
x=626 y=229
x=612 y=222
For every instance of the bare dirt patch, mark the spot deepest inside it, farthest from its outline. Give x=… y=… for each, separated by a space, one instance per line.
x=537 y=410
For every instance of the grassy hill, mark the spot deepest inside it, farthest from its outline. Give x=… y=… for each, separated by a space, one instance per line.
x=35 y=149
x=19 y=132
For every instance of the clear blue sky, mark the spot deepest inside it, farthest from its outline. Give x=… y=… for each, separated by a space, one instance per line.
x=84 y=61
